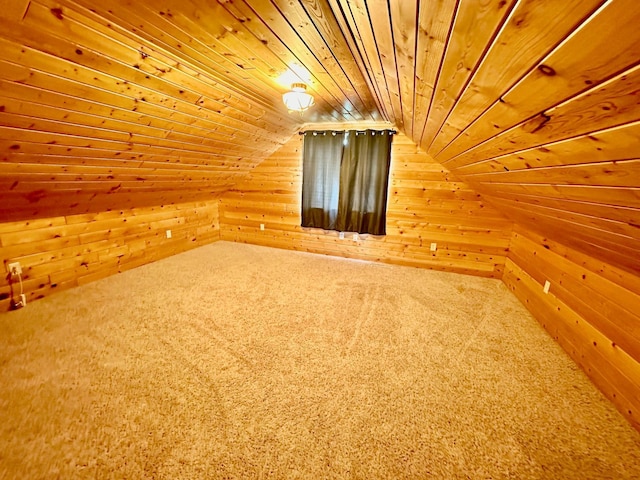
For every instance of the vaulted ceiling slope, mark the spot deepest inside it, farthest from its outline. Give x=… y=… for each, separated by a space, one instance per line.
x=117 y=103
x=535 y=103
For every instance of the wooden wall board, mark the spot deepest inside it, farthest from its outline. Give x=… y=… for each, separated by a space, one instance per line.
x=63 y=252
x=353 y=40
x=617 y=173
x=616 y=249
x=609 y=307
x=402 y=236
x=194 y=136
x=403 y=24
x=626 y=215
x=42 y=204
x=373 y=19
x=152 y=130
x=435 y=24
x=331 y=69
x=606 y=230
x=611 y=104
x=577 y=339
x=577 y=64
x=290 y=54
x=533 y=29
x=622 y=232
x=589 y=310
x=602 y=269
x=571 y=170
x=184 y=45
x=474 y=27
x=326 y=39
x=41 y=146
x=326 y=244
x=617 y=143
x=471 y=237
x=14 y=10
x=161 y=85
x=616 y=196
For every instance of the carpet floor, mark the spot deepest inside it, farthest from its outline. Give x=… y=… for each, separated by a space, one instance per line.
x=240 y=361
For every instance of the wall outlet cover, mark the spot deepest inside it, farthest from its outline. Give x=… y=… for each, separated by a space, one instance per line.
x=14 y=268
x=168 y=233
x=434 y=247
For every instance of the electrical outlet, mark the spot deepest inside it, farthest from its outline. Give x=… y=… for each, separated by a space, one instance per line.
x=168 y=233
x=23 y=299
x=341 y=235
x=356 y=237
x=262 y=226
x=15 y=268
x=547 y=285
x=434 y=247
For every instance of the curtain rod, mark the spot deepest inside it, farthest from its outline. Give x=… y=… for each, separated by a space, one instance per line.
x=391 y=132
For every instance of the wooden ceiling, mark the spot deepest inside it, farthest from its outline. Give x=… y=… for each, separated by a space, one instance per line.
x=535 y=103
x=115 y=103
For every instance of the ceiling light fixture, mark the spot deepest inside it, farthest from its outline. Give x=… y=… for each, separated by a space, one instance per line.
x=298 y=100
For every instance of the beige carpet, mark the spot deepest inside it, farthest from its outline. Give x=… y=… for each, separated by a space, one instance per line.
x=238 y=361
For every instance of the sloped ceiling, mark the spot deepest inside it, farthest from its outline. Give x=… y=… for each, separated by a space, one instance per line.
x=120 y=103
x=535 y=103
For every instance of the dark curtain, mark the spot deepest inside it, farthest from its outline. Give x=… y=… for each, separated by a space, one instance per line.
x=364 y=177
x=345 y=180
x=321 y=178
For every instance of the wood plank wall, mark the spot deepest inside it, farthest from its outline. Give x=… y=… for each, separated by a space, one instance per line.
x=592 y=310
x=426 y=204
x=66 y=251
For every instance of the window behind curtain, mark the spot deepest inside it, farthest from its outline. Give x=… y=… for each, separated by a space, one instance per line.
x=345 y=180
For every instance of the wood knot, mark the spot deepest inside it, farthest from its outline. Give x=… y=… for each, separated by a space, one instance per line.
x=537 y=122
x=57 y=12
x=546 y=70
x=35 y=196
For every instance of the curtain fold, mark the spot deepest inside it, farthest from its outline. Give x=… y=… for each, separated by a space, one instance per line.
x=321 y=178
x=364 y=175
x=345 y=180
